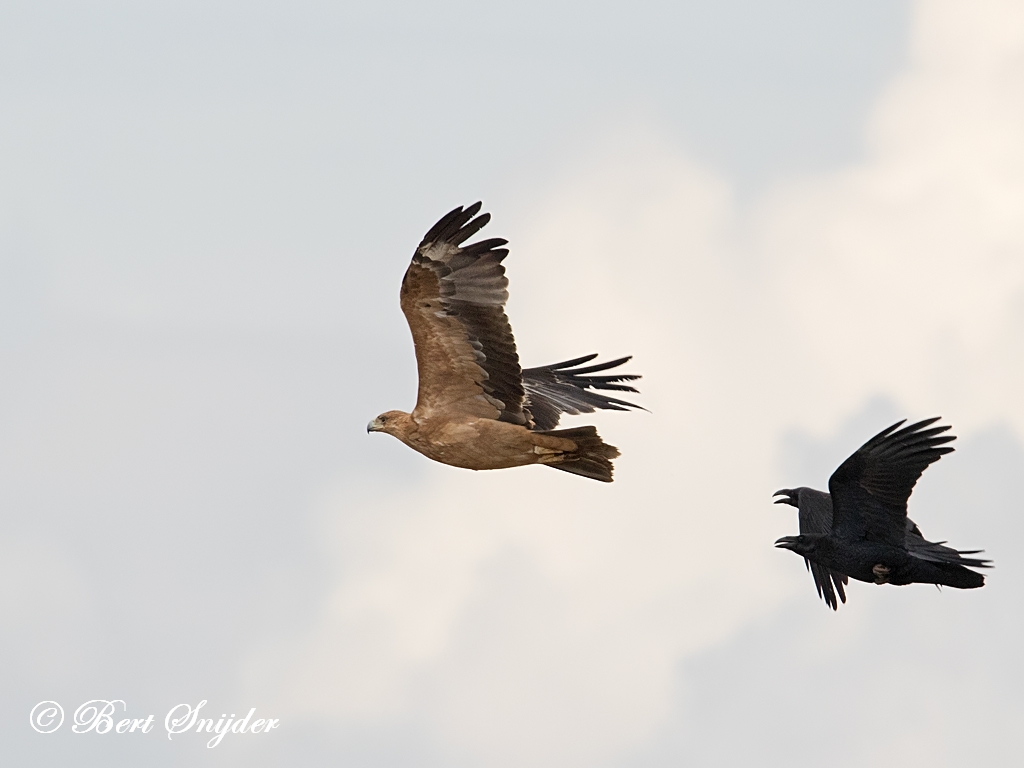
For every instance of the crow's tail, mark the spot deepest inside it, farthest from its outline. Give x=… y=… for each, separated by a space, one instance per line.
x=950 y=575
x=942 y=564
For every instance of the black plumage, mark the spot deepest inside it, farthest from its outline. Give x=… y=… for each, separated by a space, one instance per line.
x=815 y=517
x=860 y=529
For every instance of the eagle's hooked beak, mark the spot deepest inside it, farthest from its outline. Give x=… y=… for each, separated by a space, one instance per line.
x=374 y=426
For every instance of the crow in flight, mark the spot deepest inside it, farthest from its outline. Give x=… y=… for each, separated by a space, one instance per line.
x=860 y=529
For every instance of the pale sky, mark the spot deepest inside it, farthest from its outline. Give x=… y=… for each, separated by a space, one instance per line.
x=804 y=220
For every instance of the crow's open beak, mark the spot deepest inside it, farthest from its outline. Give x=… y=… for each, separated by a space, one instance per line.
x=787 y=497
x=787 y=542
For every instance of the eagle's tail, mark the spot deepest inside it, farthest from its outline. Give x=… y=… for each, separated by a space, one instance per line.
x=592 y=457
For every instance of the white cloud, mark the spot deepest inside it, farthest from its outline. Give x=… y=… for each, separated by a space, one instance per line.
x=902 y=275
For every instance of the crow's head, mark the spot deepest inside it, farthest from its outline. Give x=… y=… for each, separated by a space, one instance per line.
x=802 y=545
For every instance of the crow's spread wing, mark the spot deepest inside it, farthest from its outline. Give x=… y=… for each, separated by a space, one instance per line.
x=870 y=489
x=815 y=514
x=937 y=552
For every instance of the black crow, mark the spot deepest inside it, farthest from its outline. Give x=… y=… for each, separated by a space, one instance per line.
x=860 y=529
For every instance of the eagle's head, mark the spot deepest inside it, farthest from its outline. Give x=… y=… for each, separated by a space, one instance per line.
x=389 y=421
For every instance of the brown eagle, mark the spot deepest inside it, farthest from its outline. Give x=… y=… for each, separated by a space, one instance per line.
x=476 y=407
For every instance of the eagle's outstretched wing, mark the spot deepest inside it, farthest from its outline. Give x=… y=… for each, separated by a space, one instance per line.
x=453 y=297
x=552 y=390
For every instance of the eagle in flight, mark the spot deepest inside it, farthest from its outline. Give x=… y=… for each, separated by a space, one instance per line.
x=476 y=407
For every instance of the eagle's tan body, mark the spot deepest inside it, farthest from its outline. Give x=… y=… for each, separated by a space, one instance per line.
x=472 y=408
x=475 y=443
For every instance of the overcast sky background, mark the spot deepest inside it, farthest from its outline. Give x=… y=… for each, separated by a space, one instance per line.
x=805 y=220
